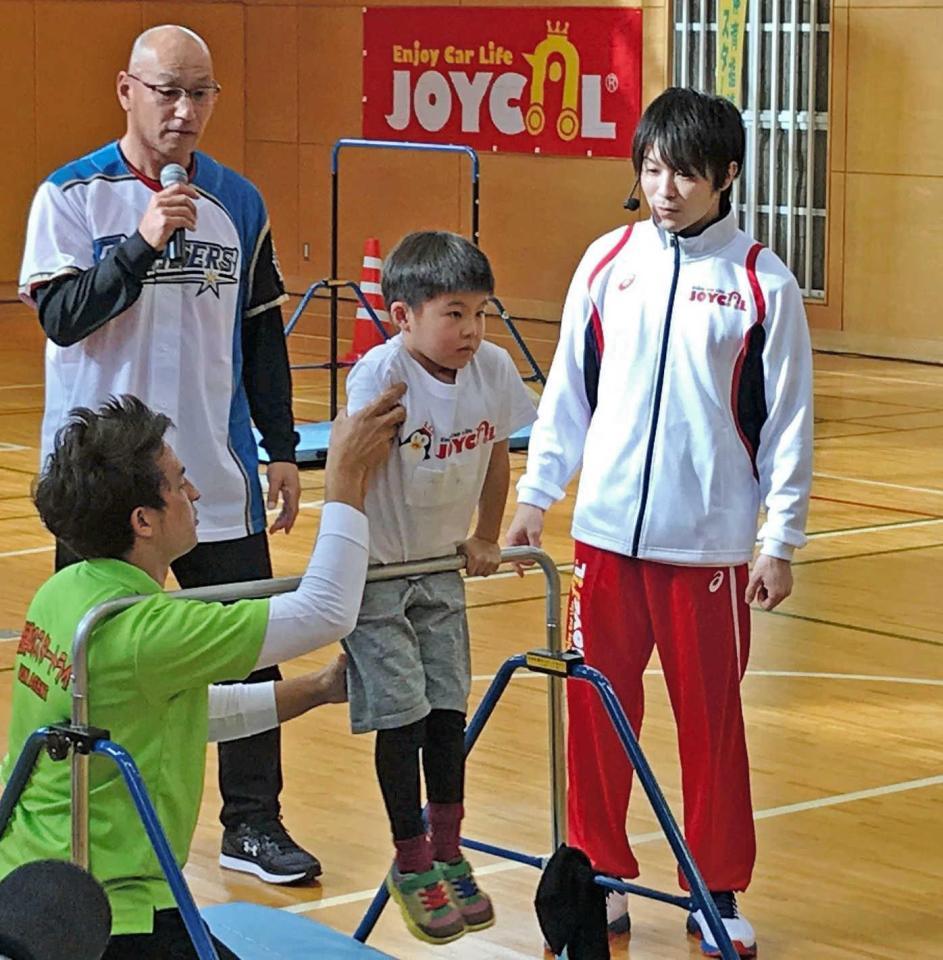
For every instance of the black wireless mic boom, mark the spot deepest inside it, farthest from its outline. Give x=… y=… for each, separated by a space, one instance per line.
x=632 y=202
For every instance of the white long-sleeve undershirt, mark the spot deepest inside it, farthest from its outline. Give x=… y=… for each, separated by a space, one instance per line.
x=239 y=710
x=325 y=606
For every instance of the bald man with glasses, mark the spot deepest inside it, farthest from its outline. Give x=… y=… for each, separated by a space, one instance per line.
x=197 y=337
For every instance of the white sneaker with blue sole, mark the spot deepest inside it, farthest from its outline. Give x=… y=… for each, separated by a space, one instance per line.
x=738 y=928
x=617 y=912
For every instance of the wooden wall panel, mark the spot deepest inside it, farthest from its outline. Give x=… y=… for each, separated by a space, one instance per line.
x=18 y=162
x=886 y=189
x=76 y=105
x=538 y=214
x=838 y=99
x=272 y=73
x=655 y=61
x=533 y=211
x=314 y=210
x=273 y=168
x=330 y=73
x=893 y=256
x=895 y=91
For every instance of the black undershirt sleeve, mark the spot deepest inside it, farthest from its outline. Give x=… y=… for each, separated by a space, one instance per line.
x=267 y=379
x=74 y=306
x=266 y=373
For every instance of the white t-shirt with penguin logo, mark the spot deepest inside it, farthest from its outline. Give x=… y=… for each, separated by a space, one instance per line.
x=420 y=503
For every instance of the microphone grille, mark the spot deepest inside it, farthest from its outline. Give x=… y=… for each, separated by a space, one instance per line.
x=51 y=909
x=173 y=173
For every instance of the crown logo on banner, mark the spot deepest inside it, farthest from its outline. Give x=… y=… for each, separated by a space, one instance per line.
x=558 y=29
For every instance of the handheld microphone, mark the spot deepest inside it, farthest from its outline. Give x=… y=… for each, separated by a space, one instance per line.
x=169 y=175
x=53 y=910
x=631 y=202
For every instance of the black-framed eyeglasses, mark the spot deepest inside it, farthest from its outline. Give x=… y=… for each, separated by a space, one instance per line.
x=167 y=95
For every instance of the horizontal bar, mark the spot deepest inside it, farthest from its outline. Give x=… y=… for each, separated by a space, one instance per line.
x=623 y=886
x=404 y=145
x=526 y=858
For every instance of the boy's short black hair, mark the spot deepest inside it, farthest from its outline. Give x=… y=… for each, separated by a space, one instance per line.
x=103 y=465
x=430 y=263
x=696 y=134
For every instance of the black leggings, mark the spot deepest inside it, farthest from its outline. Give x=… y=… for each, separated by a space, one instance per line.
x=441 y=739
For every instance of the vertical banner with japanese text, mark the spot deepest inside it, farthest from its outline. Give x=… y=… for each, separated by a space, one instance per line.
x=731 y=26
x=563 y=81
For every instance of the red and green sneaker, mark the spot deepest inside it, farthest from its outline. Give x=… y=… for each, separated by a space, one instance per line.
x=474 y=905
x=427 y=908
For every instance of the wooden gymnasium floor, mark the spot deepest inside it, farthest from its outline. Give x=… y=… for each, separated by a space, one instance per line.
x=844 y=697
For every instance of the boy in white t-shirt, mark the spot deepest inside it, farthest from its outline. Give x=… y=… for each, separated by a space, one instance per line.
x=409 y=670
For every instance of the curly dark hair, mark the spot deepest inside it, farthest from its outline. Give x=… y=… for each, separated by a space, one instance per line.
x=103 y=465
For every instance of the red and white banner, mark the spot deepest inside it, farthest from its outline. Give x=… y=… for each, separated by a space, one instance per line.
x=564 y=81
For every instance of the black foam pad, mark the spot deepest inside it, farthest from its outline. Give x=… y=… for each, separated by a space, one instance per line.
x=53 y=910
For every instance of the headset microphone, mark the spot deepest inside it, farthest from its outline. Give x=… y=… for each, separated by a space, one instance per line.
x=632 y=202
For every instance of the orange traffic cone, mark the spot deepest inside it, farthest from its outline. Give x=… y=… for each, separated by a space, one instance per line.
x=366 y=334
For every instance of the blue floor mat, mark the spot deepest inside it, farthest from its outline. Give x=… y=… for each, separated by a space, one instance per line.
x=254 y=932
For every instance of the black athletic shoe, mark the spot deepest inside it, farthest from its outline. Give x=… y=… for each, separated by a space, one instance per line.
x=268 y=852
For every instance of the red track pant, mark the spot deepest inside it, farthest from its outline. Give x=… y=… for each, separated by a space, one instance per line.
x=620 y=609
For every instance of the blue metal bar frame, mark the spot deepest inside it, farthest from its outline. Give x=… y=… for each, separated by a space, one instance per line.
x=537 y=375
x=700 y=898
x=345 y=142
x=314 y=288
x=268 y=588
x=22 y=771
x=333 y=284
x=472 y=732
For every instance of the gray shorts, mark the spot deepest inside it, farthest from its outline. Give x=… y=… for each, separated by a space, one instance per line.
x=409 y=652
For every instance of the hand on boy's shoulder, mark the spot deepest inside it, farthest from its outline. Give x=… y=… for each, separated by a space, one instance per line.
x=373 y=374
x=482 y=557
x=360 y=443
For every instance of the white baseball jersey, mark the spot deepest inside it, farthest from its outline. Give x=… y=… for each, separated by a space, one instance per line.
x=178 y=347
x=421 y=502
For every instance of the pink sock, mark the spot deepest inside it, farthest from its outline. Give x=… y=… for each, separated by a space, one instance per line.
x=413 y=855
x=445 y=826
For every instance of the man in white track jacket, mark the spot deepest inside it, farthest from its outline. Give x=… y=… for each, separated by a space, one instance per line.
x=682 y=383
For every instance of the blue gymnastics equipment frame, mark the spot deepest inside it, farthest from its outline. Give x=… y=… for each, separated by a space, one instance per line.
x=570 y=664
x=312 y=447
x=82 y=740
x=61 y=739
x=78 y=740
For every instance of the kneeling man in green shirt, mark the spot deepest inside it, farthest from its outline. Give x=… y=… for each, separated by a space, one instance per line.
x=114 y=491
